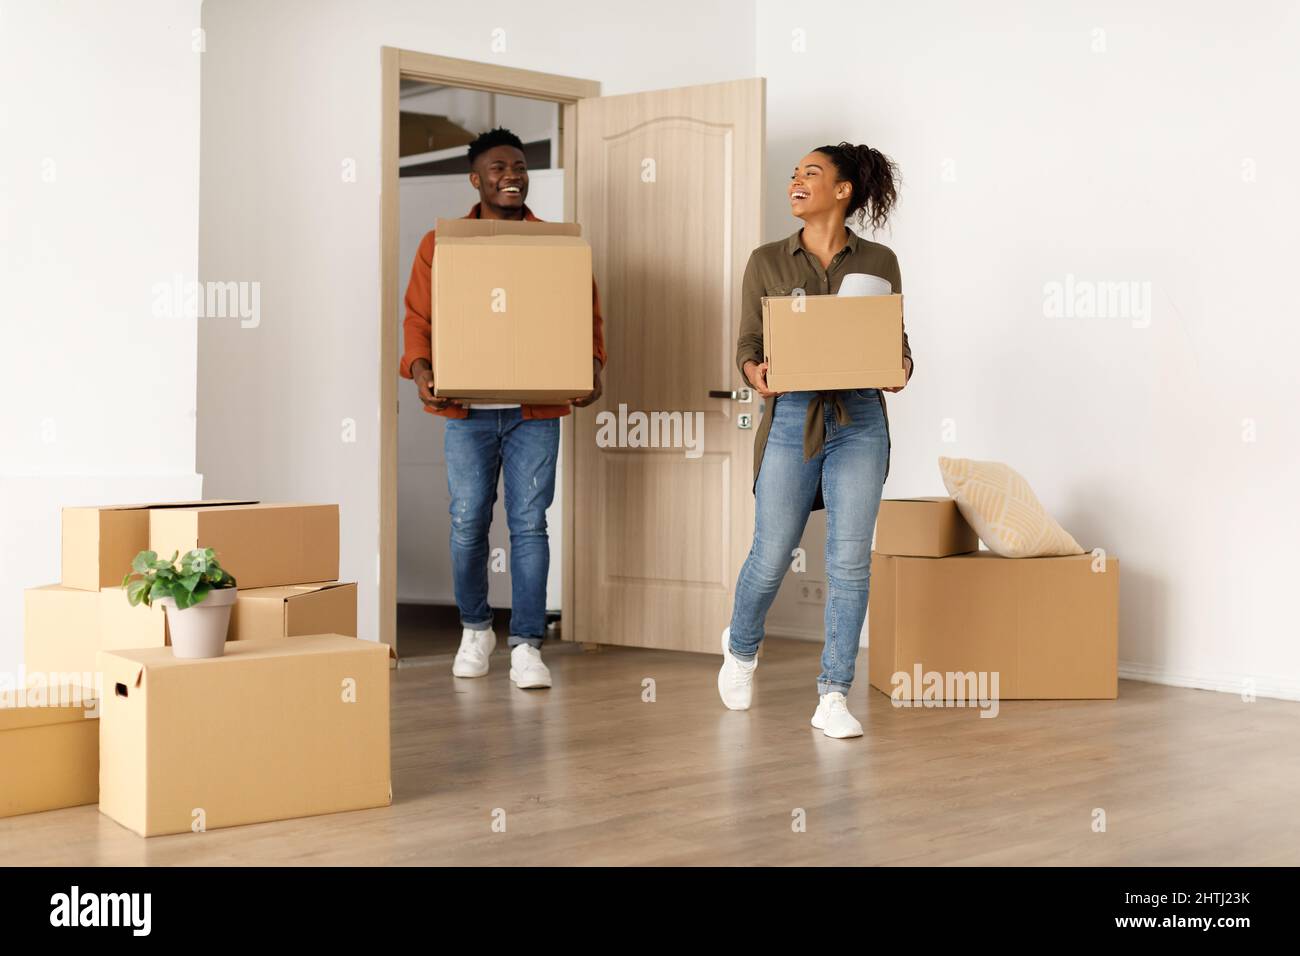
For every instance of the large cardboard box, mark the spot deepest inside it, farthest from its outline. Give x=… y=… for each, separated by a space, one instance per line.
x=275 y=729
x=262 y=545
x=298 y=609
x=816 y=342
x=1047 y=626
x=100 y=542
x=65 y=628
x=50 y=753
x=923 y=527
x=511 y=311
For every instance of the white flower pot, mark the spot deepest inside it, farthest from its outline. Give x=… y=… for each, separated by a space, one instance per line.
x=200 y=631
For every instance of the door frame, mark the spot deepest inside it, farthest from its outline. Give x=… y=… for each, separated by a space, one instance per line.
x=395 y=65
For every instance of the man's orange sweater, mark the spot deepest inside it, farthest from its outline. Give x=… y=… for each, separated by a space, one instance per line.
x=417 y=328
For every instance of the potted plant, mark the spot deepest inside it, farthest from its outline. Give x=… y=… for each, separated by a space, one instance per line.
x=196 y=593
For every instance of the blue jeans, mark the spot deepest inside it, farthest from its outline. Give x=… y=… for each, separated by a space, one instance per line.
x=478 y=449
x=851 y=469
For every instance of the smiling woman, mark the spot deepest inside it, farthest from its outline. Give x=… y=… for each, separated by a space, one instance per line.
x=815 y=449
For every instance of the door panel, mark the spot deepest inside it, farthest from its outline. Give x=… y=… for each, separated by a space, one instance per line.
x=669 y=194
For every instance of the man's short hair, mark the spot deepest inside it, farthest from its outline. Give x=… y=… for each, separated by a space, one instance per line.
x=493 y=138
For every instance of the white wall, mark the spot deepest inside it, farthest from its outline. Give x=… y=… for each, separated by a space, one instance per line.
x=290 y=96
x=1035 y=147
x=99 y=192
x=423 y=501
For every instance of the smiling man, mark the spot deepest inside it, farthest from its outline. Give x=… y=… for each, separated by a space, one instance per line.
x=485 y=440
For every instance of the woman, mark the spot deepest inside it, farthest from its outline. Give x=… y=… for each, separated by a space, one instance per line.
x=815 y=449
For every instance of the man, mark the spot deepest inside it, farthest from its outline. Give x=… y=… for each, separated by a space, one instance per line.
x=483 y=440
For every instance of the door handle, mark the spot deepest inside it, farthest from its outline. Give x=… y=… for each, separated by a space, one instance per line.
x=739 y=395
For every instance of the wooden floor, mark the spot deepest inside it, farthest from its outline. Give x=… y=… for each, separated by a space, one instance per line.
x=588 y=773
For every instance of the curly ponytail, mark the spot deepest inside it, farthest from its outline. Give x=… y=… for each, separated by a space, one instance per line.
x=874 y=178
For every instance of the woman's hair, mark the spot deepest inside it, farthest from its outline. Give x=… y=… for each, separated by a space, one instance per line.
x=874 y=177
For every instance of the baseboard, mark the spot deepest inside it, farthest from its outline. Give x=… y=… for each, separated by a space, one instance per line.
x=1278 y=688
x=1273 y=688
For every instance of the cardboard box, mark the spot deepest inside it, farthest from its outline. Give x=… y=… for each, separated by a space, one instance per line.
x=295 y=610
x=100 y=542
x=50 y=754
x=426 y=132
x=123 y=626
x=275 y=729
x=262 y=545
x=511 y=311
x=1048 y=626
x=923 y=527
x=65 y=628
x=816 y=342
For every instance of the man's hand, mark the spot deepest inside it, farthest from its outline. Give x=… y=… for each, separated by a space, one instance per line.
x=422 y=374
x=757 y=374
x=594 y=396
x=907 y=365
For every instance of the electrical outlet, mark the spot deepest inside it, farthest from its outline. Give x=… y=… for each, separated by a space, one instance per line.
x=812 y=592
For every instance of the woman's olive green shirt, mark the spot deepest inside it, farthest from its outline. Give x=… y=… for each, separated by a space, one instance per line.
x=778 y=269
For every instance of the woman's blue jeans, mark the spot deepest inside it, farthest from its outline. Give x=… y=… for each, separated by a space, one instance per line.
x=851 y=470
x=478 y=449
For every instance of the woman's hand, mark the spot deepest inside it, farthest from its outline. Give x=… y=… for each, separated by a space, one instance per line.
x=907 y=366
x=757 y=374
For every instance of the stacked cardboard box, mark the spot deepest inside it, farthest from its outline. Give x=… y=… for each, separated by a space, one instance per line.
x=285 y=558
x=66 y=624
x=278 y=728
x=1046 y=627
x=49 y=747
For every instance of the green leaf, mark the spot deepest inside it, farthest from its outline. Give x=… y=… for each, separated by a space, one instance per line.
x=189 y=580
x=200 y=593
x=143 y=561
x=137 y=591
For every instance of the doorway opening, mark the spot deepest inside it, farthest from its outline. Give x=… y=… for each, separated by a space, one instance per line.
x=432 y=108
x=437 y=124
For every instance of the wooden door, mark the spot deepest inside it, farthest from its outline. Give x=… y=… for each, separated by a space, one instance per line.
x=669 y=194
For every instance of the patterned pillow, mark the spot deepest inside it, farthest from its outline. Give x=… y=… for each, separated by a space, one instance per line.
x=999 y=504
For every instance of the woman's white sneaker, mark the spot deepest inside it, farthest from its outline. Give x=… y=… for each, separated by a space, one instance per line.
x=736 y=678
x=527 y=669
x=832 y=717
x=475 y=649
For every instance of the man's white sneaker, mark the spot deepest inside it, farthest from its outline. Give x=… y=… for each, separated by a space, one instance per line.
x=832 y=717
x=736 y=679
x=527 y=669
x=475 y=649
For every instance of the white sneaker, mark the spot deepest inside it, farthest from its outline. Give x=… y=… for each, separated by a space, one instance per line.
x=526 y=667
x=475 y=649
x=736 y=679
x=832 y=717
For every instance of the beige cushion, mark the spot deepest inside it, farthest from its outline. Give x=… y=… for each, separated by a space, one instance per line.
x=999 y=504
